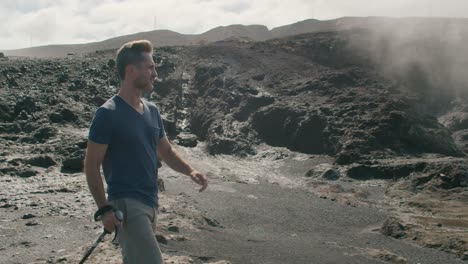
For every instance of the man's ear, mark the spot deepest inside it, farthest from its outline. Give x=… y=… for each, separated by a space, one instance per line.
x=130 y=70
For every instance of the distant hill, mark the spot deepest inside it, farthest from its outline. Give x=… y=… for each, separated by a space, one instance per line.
x=255 y=32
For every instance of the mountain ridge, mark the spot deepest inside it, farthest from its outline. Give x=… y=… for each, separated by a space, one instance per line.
x=166 y=37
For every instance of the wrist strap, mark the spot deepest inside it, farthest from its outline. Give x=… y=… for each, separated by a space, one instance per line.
x=102 y=211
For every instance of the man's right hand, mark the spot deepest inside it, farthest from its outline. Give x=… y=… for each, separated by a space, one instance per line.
x=110 y=222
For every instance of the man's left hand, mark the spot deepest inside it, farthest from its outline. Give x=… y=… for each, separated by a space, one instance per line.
x=200 y=179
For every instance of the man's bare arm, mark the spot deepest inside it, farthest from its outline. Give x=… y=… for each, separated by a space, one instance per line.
x=170 y=156
x=94 y=156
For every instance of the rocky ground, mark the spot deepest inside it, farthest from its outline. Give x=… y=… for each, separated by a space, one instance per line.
x=311 y=123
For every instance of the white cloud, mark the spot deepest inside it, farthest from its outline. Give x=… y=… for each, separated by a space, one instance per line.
x=43 y=22
x=237 y=6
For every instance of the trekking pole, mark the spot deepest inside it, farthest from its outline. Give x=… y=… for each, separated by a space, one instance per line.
x=119 y=216
x=101 y=237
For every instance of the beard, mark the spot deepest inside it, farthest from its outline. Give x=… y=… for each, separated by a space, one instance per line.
x=142 y=84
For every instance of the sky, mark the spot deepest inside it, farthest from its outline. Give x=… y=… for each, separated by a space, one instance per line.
x=27 y=23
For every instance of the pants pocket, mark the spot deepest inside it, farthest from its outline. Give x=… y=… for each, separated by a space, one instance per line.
x=121 y=205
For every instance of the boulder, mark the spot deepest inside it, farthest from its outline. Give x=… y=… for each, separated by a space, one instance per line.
x=68 y=115
x=11 y=128
x=348 y=156
x=324 y=171
x=186 y=140
x=231 y=146
x=394 y=228
x=5 y=112
x=26 y=104
x=26 y=172
x=412 y=132
x=446 y=176
x=73 y=158
x=252 y=104
x=384 y=171
x=111 y=63
x=77 y=84
x=73 y=164
x=291 y=127
x=65 y=115
x=44 y=161
x=44 y=133
x=55 y=118
x=63 y=78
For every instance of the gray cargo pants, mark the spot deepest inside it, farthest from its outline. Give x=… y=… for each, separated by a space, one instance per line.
x=137 y=238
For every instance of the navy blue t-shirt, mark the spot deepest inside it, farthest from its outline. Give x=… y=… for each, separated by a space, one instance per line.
x=130 y=163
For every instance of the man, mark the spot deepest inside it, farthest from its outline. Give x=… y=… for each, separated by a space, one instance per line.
x=127 y=136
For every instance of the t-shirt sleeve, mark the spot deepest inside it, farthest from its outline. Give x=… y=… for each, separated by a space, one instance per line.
x=101 y=127
x=161 y=125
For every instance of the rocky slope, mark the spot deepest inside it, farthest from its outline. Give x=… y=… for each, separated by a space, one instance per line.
x=317 y=94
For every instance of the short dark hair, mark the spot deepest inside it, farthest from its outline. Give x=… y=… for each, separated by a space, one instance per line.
x=131 y=53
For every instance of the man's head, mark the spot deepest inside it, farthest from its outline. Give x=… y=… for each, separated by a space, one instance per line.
x=135 y=64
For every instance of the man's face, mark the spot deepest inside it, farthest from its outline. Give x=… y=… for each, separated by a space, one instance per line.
x=145 y=74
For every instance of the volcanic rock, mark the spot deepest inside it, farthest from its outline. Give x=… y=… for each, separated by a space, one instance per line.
x=162 y=239
x=173 y=229
x=186 y=140
x=74 y=163
x=447 y=176
x=45 y=133
x=324 y=171
x=252 y=104
x=32 y=223
x=224 y=145
x=27 y=104
x=26 y=172
x=455 y=121
x=384 y=171
x=111 y=63
x=394 y=228
x=68 y=115
x=5 y=112
x=62 y=78
x=288 y=126
x=44 y=161
x=77 y=84
x=28 y=216
x=11 y=128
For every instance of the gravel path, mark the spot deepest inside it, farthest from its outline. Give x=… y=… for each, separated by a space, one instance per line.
x=265 y=223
